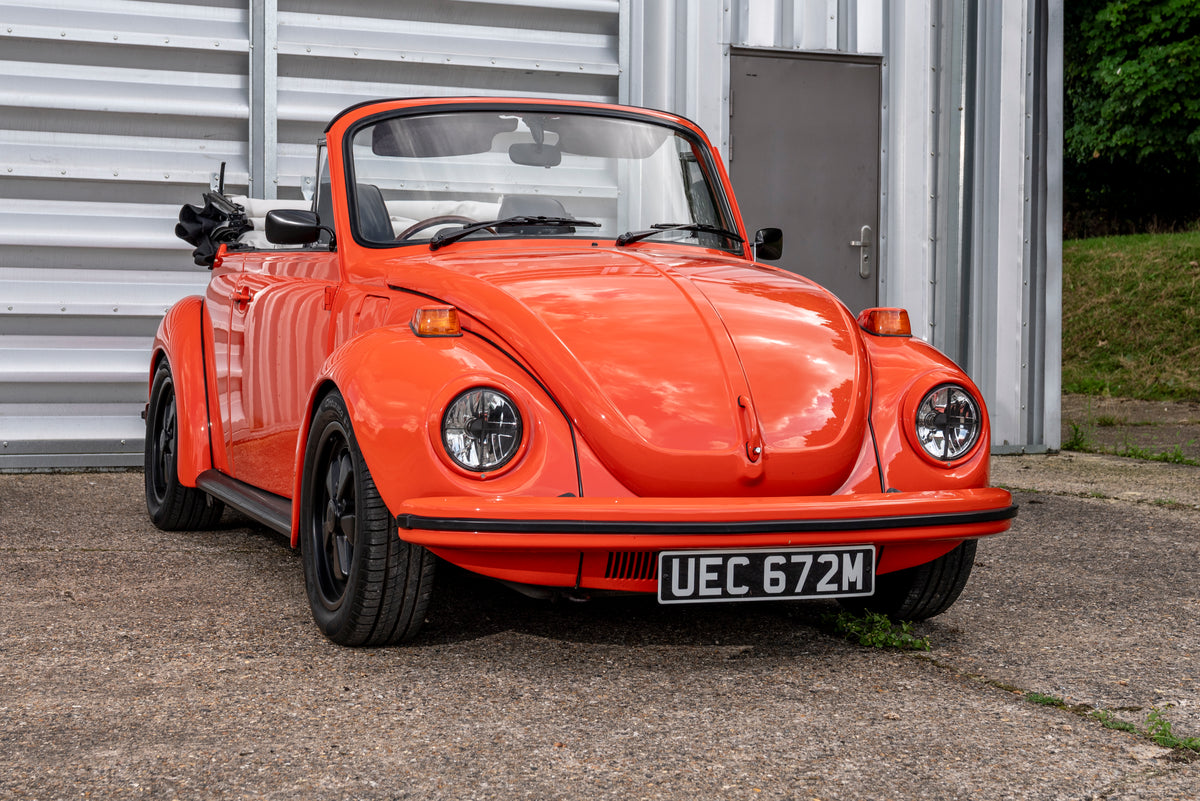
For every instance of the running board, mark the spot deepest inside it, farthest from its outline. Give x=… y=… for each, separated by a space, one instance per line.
x=271 y=510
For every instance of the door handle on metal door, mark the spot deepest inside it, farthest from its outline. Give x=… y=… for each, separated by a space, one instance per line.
x=864 y=243
x=242 y=296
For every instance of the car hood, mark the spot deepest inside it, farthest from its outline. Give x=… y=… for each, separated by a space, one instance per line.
x=686 y=376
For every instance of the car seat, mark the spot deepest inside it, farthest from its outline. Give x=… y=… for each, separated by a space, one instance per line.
x=374 y=223
x=534 y=206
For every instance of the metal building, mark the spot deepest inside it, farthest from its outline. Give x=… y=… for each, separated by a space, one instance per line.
x=113 y=113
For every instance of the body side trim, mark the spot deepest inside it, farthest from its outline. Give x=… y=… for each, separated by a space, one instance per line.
x=271 y=510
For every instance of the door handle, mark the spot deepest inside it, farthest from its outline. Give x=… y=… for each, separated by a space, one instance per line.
x=864 y=243
x=242 y=296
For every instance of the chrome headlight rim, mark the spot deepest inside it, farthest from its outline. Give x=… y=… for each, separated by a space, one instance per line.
x=948 y=423
x=482 y=430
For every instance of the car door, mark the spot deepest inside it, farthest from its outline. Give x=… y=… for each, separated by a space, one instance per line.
x=219 y=301
x=275 y=310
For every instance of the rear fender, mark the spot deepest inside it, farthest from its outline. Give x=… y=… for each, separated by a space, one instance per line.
x=397 y=386
x=180 y=341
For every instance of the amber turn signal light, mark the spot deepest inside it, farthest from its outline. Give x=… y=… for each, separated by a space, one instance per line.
x=436 y=321
x=885 y=322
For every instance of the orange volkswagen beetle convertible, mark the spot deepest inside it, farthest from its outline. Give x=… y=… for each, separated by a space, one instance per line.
x=534 y=339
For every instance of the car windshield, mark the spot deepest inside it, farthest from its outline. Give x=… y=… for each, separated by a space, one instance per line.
x=430 y=178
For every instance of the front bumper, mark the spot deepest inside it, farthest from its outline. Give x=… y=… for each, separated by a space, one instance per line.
x=672 y=523
x=613 y=543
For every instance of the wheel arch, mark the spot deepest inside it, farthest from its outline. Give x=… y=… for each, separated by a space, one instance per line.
x=320 y=389
x=395 y=384
x=370 y=372
x=180 y=343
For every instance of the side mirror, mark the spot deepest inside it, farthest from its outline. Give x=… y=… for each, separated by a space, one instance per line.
x=293 y=227
x=768 y=244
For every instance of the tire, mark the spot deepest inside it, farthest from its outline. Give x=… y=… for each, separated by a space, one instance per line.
x=172 y=506
x=366 y=586
x=920 y=592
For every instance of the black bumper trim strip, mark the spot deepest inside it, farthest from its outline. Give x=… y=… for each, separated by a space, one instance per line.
x=488 y=525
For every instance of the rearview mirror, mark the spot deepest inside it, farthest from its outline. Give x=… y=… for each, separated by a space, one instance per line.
x=531 y=154
x=768 y=244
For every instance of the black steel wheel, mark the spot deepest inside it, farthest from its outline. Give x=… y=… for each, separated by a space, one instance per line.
x=365 y=585
x=172 y=506
x=920 y=592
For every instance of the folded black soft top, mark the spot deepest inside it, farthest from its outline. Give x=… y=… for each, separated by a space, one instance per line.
x=207 y=227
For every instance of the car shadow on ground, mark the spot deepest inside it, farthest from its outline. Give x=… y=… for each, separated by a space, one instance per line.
x=466 y=608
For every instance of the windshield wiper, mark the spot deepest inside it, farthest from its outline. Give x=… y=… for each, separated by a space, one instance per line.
x=629 y=237
x=446 y=237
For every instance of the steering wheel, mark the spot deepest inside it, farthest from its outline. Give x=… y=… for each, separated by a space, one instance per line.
x=432 y=222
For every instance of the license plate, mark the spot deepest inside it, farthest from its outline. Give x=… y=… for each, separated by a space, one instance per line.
x=696 y=577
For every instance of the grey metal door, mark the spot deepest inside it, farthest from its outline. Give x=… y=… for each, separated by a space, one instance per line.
x=804 y=157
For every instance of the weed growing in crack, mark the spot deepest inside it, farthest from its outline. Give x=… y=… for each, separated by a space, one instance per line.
x=1109 y=721
x=1158 y=729
x=876 y=631
x=1046 y=700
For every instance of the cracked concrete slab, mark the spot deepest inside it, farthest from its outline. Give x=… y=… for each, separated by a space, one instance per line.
x=141 y=664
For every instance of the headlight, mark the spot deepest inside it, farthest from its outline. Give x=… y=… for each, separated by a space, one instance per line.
x=948 y=422
x=481 y=429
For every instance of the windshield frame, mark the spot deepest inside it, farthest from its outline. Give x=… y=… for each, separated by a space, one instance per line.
x=714 y=177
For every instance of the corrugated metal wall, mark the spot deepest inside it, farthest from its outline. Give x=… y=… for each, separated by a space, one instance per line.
x=972 y=232
x=842 y=26
x=113 y=113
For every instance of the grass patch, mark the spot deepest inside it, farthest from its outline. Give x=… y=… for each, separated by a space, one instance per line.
x=1080 y=440
x=1172 y=456
x=876 y=631
x=1131 y=308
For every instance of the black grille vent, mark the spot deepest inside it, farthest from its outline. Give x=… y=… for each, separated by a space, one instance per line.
x=632 y=565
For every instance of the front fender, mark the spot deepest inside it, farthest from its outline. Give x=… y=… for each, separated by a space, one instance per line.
x=397 y=386
x=904 y=370
x=180 y=341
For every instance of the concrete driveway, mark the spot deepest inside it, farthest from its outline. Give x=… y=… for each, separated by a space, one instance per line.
x=140 y=664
